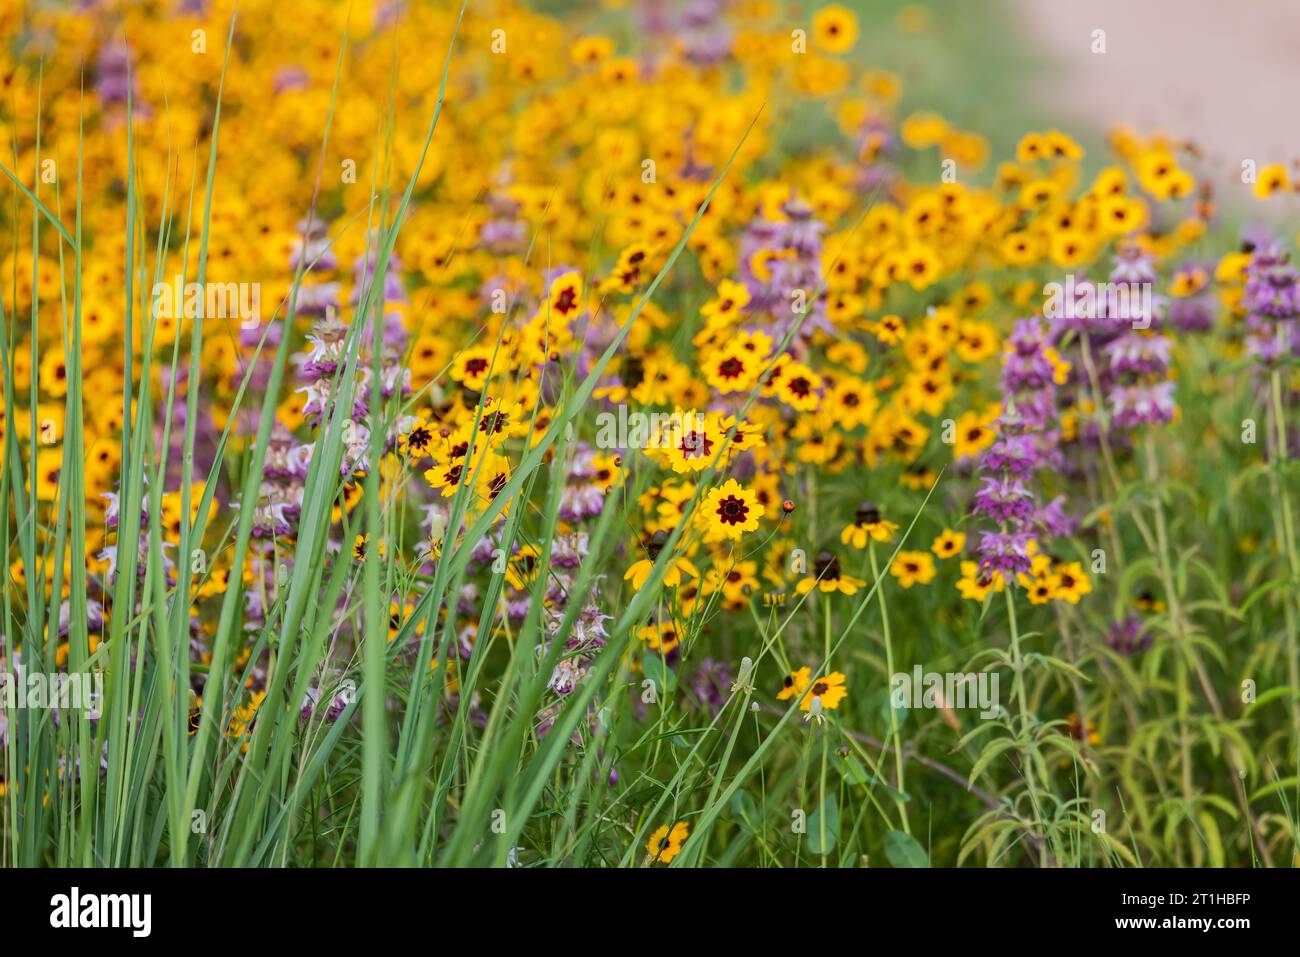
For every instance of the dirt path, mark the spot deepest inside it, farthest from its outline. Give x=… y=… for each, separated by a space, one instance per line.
x=1223 y=73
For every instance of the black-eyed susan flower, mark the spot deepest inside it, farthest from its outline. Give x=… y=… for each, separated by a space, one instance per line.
x=868 y=526
x=679 y=566
x=827 y=577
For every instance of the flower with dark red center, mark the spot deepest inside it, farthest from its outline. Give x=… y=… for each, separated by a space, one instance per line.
x=732 y=510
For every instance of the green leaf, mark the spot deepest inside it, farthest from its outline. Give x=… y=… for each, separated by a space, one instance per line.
x=831 y=829
x=903 y=850
x=743 y=807
x=664 y=678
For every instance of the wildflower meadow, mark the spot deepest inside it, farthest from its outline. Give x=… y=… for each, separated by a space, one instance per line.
x=627 y=435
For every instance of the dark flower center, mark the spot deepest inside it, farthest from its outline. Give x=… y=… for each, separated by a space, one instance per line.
x=632 y=373
x=732 y=510
x=494 y=423
x=565 y=302
x=656 y=544
x=827 y=567
x=867 y=514
x=695 y=444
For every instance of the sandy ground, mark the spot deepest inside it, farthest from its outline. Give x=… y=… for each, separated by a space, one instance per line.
x=1223 y=73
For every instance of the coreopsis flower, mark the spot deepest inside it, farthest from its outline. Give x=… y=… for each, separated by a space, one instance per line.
x=691 y=441
x=794 y=683
x=1070 y=582
x=798 y=386
x=948 y=543
x=666 y=842
x=851 y=402
x=565 y=296
x=1038 y=582
x=661 y=637
x=730 y=302
x=415 y=438
x=730 y=511
x=1271 y=179
x=735 y=580
x=733 y=369
x=913 y=568
x=973 y=433
x=523 y=567
x=835 y=28
x=827 y=692
x=1084 y=731
x=976 y=583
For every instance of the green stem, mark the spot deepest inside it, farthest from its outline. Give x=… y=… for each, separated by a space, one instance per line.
x=1018 y=692
x=889 y=674
x=1187 y=654
x=821 y=814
